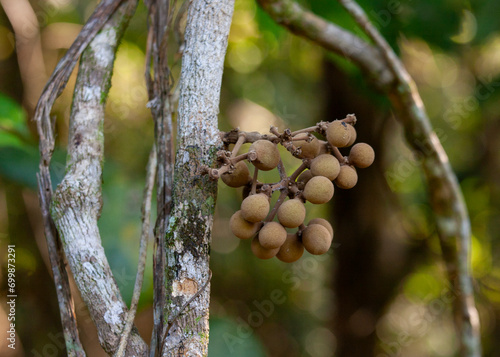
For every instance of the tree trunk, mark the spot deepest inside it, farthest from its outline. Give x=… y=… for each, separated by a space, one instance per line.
x=77 y=202
x=189 y=233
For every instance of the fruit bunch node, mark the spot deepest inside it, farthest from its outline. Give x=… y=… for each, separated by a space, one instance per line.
x=280 y=231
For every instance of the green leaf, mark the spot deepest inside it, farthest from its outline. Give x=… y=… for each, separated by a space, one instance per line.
x=20 y=165
x=13 y=129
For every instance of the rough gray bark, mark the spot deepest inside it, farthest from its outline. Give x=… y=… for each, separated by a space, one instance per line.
x=158 y=81
x=77 y=201
x=46 y=132
x=189 y=232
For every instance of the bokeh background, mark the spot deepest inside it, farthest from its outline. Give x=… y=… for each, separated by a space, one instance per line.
x=382 y=290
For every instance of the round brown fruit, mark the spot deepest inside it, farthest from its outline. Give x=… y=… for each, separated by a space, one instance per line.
x=309 y=150
x=352 y=134
x=347 y=177
x=318 y=190
x=239 y=177
x=316 y=239
x=241 y=228
x=260 y=252
x=361 y=155
x=291 y=250
x=337 y=134
x=292 y=213
x=325 y=165
x=324 y=223
x=272 y=235
x=255 y=208
x=268 y=155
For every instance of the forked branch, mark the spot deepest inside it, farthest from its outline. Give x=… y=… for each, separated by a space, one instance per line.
x=45 y=128
x=77 y=201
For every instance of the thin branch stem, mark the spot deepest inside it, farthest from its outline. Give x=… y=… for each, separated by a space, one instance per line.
x=254 y=180
x=237 y=146
x=297 y=172
x=300 y=138
x=282 y=170
x=215 y=174
x=338 y=154
x=305 y=130
x=359 y=15
x=281 y=199
x=56 y=256
x=143 y=248
x=236 y=159
x=159 y=84
x=330 y=36
x=232 y=136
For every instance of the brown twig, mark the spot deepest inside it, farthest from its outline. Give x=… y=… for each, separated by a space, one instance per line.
x=161 y=17
x=281 y=199
x=254 y=180
x=146 y=213
x=215 y=174
x=56 y=256
x=237 y=145
x=300 y=138
x=338 y=154
x=305 y=130
x=350 y=119
x=282 y=170
x=299 y=170
x=232 y=136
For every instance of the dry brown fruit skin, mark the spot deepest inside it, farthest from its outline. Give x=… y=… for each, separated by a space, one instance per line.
x=292 y=213
x=316 y=239
x=347 y=177
x=325 y=165
x=309 y=150
x=361 y=155
x=352 y=134
x=241 y=228
x=268 y=155
x=239 y=177
x=337 y=134
x=272 y=235
x=260 y=252
x=291 y=250
x=318 y=190
x=255 y=208
x=324 y=223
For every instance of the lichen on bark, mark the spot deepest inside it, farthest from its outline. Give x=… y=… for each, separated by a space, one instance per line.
x=194 y=195
x=77 y=202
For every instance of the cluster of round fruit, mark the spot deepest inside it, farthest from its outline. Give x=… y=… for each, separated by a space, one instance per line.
x=322 y=165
